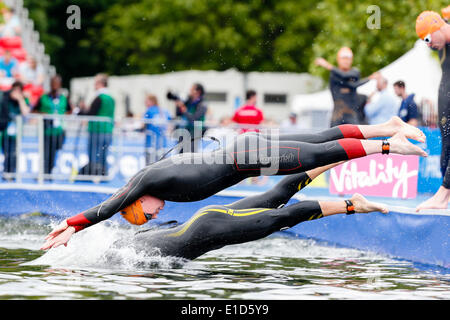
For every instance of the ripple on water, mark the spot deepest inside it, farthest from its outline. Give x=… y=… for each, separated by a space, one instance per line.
x=93 y=266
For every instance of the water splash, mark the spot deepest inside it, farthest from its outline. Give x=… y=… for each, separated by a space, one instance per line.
x=106 y=245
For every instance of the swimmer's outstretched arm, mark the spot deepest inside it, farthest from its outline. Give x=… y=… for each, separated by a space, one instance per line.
x=133 y=190
x=283 y=191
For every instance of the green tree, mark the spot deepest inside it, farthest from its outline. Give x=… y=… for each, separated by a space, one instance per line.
x=71 y=51
x=156 y=36
x=169 y=35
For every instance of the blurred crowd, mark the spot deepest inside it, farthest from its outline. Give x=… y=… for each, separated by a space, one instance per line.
x=17 y=65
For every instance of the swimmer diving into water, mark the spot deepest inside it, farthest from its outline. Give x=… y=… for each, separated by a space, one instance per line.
x=170 y=179
x=248 y=219
x=245 y=220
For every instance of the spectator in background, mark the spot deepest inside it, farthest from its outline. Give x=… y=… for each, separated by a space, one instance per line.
x=31 y=72
x=291 y=124
x=344 y=80
x=408 y=111
x=157 y=120
x=100 y=131
x=13 y=103
x=8 y=65
x=191 y=111
x=385 y=107
x=11 y=26
x=52 y=103
x=248 y=115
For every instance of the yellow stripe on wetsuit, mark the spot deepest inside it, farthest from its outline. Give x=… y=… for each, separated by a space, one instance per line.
x=231 y=212
x=304 y=183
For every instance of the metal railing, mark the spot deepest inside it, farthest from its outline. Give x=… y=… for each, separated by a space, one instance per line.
x=31 y=145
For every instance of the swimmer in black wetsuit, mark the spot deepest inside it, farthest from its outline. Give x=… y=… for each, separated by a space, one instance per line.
x=245 y=220
x=344 y=82
x=196 y=176
x=431 y=28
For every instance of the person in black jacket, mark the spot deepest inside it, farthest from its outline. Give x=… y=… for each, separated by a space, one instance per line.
x=344 y=80
x=13 y=103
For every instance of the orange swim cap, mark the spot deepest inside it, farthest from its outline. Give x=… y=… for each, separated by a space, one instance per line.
x=428 y=22
x=134 y=213
x=446 y=13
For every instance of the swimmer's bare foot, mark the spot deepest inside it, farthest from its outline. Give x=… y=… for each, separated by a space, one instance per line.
x=400 y=145
x=438 y=201
x=362 y=205
x=395 y=124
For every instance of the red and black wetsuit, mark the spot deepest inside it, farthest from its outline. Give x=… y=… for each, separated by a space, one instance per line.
x=195 y=176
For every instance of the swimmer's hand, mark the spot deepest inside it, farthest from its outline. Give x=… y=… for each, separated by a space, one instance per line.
x=60 y=235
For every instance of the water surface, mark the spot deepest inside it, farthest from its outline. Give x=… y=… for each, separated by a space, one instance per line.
x=92 y=267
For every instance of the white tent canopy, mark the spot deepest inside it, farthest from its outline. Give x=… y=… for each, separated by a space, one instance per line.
x=418 y=68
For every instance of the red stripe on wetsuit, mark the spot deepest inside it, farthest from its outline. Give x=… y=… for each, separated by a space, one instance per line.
x=79 y=222
x=353 y=148
x=351 y=131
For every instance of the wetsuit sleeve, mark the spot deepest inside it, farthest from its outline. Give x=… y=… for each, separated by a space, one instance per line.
x=280 y=194
x=132 y=191
x=347 y=76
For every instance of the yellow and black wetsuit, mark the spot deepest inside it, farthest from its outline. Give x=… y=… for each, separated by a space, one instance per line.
x=195 y=176
x=444 y=114
x=248 y=219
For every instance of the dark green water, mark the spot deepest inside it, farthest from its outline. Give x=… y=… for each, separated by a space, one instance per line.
x=273 y=268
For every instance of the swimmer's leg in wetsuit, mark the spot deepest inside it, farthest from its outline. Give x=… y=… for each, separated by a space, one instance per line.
x=386 y=129
x=441 y=198
x=444 y=126
x=213 y=227
x=282 y=192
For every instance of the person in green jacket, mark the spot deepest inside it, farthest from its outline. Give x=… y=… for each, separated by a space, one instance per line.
x=53 y=103
x=100 y=131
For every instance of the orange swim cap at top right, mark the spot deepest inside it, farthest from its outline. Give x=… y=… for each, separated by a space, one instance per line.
x=446 y=13
x=427 y=23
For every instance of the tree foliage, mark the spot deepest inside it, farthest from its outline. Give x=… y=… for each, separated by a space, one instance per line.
x=157 y=36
